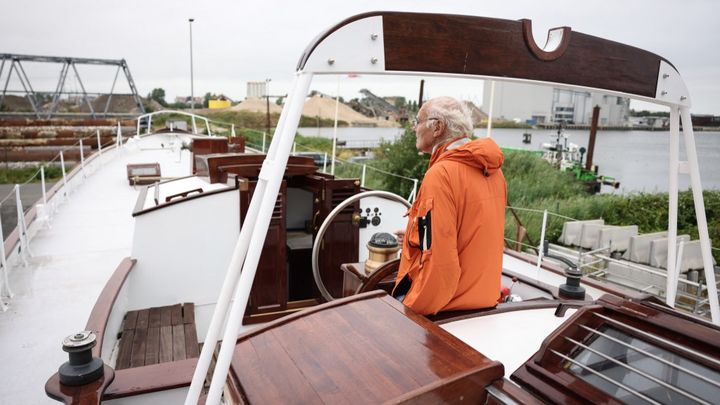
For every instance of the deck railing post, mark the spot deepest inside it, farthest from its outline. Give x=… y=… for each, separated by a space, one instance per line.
x=99 y=143
x=82 y=159
x=672 y=276
x=232 y=131
x=207 y=126
x=62 y=168
x=149 y=128
x=294 y=146
x=263 y=142
x=194 y=125
x=542 y=241
x=118 y=138
x=22 y=227
x=42 y=184
x=362 y=178
x=325 y=163
x=5 y=291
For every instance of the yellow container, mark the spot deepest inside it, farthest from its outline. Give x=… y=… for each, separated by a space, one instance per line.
x=218 y=104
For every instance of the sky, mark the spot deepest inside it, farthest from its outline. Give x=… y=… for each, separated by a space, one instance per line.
x=239 y=41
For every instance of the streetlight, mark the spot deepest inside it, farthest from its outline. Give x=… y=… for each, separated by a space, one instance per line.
x=192 y=89
x=267 y=104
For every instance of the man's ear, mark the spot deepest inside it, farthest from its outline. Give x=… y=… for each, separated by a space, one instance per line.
x=438 y=129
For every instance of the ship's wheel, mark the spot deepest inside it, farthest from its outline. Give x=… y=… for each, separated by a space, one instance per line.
x=381 y=272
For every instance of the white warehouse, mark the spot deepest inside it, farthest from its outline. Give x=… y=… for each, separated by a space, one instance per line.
x=543 y=104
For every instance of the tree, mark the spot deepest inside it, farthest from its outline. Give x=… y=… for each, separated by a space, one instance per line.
x=158 y=94
x=401 y=157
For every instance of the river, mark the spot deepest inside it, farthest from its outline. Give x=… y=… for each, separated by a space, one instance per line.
x=638 y=159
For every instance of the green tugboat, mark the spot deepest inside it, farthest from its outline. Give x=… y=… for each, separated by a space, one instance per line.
x=568 y=157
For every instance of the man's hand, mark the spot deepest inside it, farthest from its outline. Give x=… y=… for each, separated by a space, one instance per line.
x=400 y=235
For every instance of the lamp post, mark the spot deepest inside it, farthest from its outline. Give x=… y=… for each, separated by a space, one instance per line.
x=267 y=104
x=192 y=89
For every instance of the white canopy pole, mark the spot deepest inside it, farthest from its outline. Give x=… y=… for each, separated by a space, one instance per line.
x=269 y=181
x=700 y=214
x=672 y=272
x=490 y=109
x=231 y=279
x=337 y=105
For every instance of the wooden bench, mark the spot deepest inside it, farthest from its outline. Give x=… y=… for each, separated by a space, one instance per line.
x=158 y=335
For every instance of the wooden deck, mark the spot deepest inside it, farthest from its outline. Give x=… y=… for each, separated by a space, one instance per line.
x=158 y=335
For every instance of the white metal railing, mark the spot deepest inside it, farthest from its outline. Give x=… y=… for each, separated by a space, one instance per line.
x=44 y=208
x=595 y=261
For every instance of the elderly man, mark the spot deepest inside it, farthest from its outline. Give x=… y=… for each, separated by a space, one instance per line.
x=453 y=243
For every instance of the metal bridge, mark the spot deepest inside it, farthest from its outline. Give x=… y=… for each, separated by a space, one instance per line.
x=49 y=110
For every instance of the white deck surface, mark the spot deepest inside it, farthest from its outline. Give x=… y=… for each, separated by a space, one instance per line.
x=511 y=337
x=89 y=235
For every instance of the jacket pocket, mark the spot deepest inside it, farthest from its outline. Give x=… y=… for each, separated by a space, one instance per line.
x=419 y=231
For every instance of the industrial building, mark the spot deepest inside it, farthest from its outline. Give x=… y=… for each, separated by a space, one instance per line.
x=546 y=105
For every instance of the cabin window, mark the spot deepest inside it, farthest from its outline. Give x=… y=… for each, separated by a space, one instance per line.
x=638 y=372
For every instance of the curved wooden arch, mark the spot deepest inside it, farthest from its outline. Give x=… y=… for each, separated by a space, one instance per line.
x=395 y=42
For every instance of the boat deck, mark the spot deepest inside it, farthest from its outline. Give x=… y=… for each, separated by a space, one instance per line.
x=72 y=258
x=158 y=335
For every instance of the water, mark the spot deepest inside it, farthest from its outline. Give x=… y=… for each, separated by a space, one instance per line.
x=638 y=159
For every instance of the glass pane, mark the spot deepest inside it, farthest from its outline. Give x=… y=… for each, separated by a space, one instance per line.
x=636 y=360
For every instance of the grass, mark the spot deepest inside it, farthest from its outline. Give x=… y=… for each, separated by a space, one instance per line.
x=19 y=176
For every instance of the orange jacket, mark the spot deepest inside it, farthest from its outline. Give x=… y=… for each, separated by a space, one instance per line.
x=458 y=263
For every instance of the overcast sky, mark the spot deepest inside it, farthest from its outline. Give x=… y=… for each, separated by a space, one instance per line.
x=239 y=41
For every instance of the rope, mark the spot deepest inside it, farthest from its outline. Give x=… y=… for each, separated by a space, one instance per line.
x=10 y=194
x=541 y=212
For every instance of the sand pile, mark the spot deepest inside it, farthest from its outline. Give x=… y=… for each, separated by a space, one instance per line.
x=324 y=107
x=256 y=105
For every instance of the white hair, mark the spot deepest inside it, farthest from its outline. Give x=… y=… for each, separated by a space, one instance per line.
x=453 y=113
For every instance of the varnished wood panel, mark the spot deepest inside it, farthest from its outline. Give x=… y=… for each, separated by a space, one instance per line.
x=546 y=375
x=415 y=42
x=395 y=355
x=156 y=377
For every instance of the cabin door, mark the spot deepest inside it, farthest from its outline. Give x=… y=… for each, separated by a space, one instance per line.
x=270 y=291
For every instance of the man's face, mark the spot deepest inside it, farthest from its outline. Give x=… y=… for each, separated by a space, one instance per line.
x=423 y=135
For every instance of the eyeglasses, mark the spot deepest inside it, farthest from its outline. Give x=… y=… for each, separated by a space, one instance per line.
x=416 y=121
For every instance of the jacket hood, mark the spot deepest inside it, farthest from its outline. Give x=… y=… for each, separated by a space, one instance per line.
x=482 y=153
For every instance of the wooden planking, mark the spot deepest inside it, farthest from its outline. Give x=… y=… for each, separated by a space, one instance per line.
x=188 y=312
x=123 y=360
x=178 y=342
x=154 y=319
x=130 y=320
x=158 y=335
x=137 y=358
x=176 y=314
x=165 y=349
x=143 y=319
x=165 y=316
x=152 y=346
x=191 y=341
